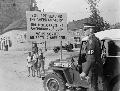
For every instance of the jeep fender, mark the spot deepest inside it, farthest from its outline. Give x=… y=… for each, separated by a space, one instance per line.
x=65 y=73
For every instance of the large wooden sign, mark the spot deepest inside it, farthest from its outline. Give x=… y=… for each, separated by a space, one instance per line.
x=44 y=26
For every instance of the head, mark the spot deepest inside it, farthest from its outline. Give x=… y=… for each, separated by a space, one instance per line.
x=89 y=29
x=34 y=44
x=29 y=53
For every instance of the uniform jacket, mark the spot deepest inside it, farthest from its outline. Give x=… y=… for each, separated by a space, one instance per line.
x=93 y=53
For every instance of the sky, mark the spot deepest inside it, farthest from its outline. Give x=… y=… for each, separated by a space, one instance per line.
x=79 y=9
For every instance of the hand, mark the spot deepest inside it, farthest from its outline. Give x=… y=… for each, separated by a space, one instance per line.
x=88 y=79
x=82 y=76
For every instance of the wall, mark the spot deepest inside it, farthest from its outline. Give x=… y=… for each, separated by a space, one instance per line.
x=15 y=39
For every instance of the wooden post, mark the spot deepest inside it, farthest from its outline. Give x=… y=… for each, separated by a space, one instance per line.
x=45 y=46
x=61 y=48
x=32 y=46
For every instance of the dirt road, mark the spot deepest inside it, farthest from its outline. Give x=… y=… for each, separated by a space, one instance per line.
x=13 y=71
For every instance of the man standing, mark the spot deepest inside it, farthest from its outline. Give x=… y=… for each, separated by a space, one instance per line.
x=93 y=57
x=35 y=48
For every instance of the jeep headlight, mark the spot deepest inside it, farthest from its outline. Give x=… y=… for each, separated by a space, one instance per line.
x=57 y=64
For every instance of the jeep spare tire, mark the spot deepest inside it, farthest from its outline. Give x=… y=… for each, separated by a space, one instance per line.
x=53 y=82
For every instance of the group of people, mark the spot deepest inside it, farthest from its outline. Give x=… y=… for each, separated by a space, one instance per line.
x=35 y=62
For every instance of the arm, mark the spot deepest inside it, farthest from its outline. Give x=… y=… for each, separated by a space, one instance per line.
x=88 y=64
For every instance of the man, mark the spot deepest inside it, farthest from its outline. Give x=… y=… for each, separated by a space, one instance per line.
x=29 y=62
x=93 y=57
x=35 y=48
x=41 y=62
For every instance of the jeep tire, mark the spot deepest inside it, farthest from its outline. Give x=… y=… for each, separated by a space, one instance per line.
x=54 y=82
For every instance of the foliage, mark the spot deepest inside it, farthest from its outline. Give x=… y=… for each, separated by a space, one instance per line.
x=95 y=17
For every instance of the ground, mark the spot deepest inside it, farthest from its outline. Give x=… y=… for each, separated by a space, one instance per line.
x=13 y=71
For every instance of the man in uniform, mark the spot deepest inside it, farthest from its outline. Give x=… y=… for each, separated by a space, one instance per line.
x=93 y=57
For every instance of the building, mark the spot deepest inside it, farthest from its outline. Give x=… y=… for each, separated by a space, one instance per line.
x=75 y=29
x=13 y=10
x=13 y=23
x=13 y=40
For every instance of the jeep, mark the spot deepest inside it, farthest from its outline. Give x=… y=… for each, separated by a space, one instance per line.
x=65 y=73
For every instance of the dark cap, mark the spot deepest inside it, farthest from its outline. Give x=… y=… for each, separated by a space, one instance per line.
x=88 y=25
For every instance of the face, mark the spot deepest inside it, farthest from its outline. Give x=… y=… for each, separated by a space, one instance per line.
x=88 y=31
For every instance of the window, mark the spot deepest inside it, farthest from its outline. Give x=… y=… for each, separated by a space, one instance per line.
x=112 y=47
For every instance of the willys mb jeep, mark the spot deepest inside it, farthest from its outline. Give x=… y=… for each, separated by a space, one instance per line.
x=65 y=73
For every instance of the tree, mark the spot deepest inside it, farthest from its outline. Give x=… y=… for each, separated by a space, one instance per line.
x=95 y=17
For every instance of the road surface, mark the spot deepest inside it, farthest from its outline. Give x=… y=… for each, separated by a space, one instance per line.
x=13 y=71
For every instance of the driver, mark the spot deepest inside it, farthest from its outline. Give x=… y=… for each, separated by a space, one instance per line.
x=93 y=57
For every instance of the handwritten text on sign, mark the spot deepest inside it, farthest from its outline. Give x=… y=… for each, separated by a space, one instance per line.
x=49 y=25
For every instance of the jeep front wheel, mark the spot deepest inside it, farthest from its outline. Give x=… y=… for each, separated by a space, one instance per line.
x=53 y=82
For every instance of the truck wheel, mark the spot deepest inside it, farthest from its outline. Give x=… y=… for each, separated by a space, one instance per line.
x=53 y=82
x=116 y=86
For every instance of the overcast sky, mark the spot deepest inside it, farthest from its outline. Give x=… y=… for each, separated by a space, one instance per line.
x=79 y=9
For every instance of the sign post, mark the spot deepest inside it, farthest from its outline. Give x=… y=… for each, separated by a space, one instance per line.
x=45 y=26
x=45 y=46
x=61 y=48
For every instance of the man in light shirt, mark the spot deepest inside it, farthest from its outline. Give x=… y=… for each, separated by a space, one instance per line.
x=29 y=62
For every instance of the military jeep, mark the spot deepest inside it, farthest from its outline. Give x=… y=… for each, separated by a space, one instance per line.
x=65 y=73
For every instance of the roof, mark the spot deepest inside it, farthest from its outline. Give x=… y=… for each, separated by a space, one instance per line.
x=20 y=24
x=107 y=34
